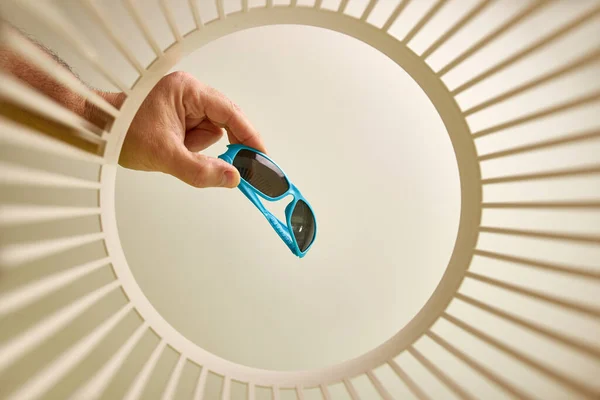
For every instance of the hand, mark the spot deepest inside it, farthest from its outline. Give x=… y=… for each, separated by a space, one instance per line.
x=179 y=118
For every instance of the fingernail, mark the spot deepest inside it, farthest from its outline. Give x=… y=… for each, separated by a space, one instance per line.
x=227 y=179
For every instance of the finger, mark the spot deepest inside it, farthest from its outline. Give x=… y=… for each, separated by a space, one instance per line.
x=202 y=171
x=204 y=135
x=223 y=112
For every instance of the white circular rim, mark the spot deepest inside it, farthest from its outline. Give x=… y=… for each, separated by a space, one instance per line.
x=462 y=142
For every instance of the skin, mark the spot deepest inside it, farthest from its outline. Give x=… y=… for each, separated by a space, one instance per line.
x=179 y=118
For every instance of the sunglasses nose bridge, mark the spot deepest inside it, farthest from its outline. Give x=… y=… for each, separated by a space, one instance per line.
x=290 y=207
x=294 y=193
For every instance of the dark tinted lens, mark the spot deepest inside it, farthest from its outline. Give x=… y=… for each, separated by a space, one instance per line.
x=261 y=173
x=303 y=225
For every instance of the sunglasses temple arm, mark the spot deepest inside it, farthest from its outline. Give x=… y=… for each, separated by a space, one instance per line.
x=281 y=229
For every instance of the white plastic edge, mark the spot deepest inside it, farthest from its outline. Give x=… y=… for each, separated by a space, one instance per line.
x=462 y=142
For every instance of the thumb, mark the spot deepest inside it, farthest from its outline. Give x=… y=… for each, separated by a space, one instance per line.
x=202 y=171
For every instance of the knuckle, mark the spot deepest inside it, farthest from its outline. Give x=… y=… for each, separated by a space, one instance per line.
x=234 y=106
x=199 y=178
x=178 y=75
x=233 y=111
x=212 y=92
x=177 y=78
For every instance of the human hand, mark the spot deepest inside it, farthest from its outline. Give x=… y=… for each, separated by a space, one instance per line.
x=180 y=117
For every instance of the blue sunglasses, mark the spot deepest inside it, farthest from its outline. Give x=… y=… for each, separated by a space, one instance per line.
x=262 y=177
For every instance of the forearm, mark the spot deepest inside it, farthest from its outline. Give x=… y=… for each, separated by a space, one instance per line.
x=20 y=68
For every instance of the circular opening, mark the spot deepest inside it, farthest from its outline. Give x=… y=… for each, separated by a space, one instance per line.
x=367 y=149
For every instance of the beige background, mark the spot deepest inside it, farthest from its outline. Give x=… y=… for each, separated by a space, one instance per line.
x=381 y=177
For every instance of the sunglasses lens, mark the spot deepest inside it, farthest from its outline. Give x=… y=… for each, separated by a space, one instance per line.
x=261 y=173
x=303 y=225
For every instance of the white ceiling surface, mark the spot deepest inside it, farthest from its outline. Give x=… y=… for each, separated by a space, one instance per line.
x=364 y=145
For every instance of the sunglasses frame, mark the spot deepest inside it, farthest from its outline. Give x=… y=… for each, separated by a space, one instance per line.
x=285 y=231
